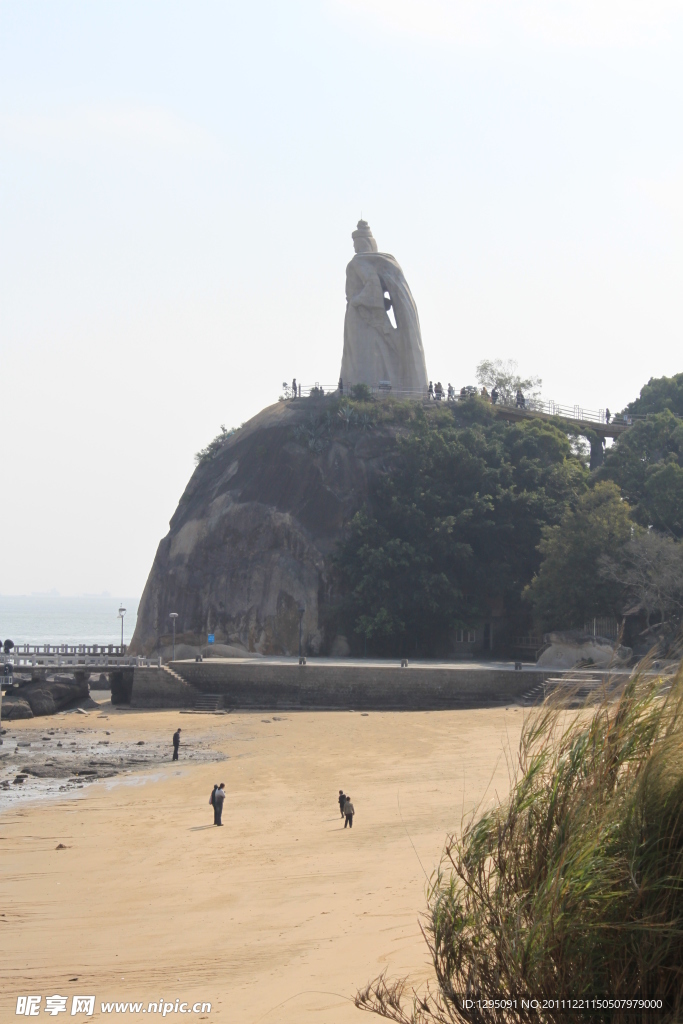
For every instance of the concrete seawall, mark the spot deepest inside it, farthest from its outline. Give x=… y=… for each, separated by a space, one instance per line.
x=334 y=684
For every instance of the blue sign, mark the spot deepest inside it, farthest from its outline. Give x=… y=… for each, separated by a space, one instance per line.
x=211 y=638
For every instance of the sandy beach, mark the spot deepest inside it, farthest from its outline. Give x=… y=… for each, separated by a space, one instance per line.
x=281 y=915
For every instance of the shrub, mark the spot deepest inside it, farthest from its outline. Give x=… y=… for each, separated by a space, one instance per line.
x=213 y=447
x=573 y=887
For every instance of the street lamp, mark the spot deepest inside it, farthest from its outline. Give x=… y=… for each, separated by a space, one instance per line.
x=301 y=619
x=173 y=616
x=122 y=612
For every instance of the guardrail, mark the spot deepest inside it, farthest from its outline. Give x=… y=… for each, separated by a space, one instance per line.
x=528 y=643
x=20 y=659
x=69 y=650
x=384 y=389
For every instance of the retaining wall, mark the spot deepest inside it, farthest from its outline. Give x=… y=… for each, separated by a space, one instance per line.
x=320 y=684
x=155 y=688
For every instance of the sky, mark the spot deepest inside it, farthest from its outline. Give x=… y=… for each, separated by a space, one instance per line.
x=178 y=186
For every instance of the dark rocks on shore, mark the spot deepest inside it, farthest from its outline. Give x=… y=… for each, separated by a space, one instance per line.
x=15 y=707
x=44 y=697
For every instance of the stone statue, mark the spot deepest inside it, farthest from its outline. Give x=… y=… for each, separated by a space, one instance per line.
x=374 y=350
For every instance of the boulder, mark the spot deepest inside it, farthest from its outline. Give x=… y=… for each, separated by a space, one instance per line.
x=226 y=651
x=183 y=652
x=52 y=694
x=254 y=535
x=14 y=707
x=573 y=649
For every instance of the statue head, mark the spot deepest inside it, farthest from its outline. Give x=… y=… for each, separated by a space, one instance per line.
x=362 y=238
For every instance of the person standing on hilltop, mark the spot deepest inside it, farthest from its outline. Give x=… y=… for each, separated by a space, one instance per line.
x=342 y=801
x=348 y=812
x=218 y=799
x=176 y=743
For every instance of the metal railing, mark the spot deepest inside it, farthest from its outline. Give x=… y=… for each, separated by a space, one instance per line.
x=384 y=389
x=528 y=643
x=605 y=626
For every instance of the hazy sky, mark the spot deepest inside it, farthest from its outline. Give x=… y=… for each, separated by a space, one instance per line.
x=178 y=184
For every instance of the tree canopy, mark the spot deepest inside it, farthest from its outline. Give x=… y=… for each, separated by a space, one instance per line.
x=454 y=528
x=503 y=375
x=658 y=395
x=478 y=513
x=647 y=464
x=569 y=589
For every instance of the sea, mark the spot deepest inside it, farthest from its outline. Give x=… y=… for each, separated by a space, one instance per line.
x=53 y=619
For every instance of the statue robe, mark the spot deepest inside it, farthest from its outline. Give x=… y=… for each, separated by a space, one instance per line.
x=375 y=350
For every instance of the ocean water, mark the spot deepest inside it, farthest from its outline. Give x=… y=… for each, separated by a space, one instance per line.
x=51 y=619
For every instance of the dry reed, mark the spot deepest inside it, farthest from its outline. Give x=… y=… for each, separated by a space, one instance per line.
x=573 y=888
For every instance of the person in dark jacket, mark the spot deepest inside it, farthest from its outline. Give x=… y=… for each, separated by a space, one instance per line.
x=348 y=812
x=212 y=801
x=218 y=798
x=176 y=743
x=342 y=801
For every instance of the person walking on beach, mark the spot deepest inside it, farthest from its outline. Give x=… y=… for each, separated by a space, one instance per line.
x=342 y=801
x=176 y=743
x=218 y=798
x=348 y=812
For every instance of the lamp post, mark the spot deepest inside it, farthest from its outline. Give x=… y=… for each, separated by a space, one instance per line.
x=122 y=612
x=301 y=619
x=173 y=616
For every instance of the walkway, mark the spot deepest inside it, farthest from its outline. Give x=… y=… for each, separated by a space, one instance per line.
x=535 y=408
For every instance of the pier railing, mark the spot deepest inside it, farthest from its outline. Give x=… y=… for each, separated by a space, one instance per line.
x=69 y=650
x=77 y=656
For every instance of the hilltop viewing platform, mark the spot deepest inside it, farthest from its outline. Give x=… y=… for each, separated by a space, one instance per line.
x=599 y=420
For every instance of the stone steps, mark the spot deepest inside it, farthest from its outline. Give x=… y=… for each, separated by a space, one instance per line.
x=208 y=702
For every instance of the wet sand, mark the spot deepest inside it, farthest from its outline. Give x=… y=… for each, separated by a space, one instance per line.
x=280 y=915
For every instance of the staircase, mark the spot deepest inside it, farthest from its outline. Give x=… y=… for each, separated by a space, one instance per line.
x=578 y=689
x=536 y=695
x=208 y=702
x=173 y=673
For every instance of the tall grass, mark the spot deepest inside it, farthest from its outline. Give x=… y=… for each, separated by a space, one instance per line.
x=571 y=889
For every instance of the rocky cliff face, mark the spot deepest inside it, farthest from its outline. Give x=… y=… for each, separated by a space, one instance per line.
x=253 y=535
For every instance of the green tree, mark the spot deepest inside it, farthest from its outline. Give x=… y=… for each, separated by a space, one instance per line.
x=503 y=375
x=454 y=526
x=647 y=464
x=658 y=395
x=569 y=589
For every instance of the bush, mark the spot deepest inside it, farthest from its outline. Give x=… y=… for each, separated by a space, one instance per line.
x=213 y=447
x=361 y=393
x=572 y=888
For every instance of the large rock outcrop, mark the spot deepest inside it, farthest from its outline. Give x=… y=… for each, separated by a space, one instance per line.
x=574 y=649
x=44 y=697
x=252 y=538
